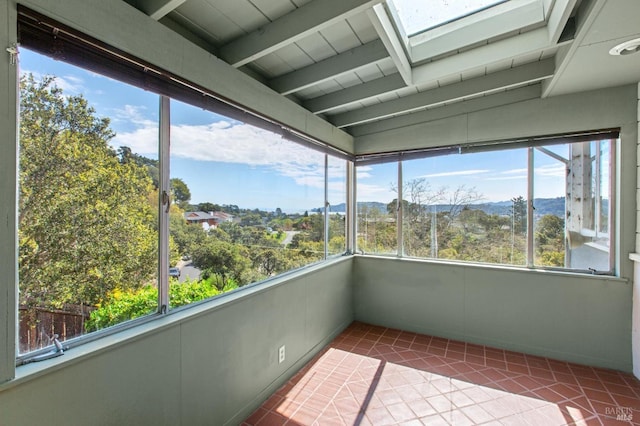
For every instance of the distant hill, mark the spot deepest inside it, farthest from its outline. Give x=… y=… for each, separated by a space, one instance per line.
x=543 y=206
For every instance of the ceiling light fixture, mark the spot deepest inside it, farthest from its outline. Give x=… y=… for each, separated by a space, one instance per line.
x=626 y=48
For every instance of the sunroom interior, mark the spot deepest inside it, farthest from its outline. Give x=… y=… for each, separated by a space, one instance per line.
x=355 y=80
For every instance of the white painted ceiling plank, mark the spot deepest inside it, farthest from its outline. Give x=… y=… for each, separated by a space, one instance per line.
x=316 y=47
x=273 y=65
x=348 y=80
x=273 y=9
x=504 y=79
x=294 y=56
x=312 y=17
x=363 y=28
x=354 y=94
x=341 y=37
x=369 y=73
x=241 y=12
x=208 y=21
x=311 y=92
x=191 y=31
x=330 y=68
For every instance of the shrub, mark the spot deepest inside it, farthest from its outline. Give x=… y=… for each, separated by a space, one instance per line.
x=122 y=306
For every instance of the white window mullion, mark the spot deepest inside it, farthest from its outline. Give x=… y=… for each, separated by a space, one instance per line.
x=326 y=206
x=530 y=207
x=164 y=205
x=9 y=108
x=613 y=207
x=351 y=210
x=400 y=212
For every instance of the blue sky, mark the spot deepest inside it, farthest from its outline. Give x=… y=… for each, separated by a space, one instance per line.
x=228 y=162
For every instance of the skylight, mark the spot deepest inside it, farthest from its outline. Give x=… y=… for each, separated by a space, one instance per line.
x=419 y=15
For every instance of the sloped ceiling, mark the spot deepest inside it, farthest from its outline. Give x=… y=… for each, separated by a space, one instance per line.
x=347 y=62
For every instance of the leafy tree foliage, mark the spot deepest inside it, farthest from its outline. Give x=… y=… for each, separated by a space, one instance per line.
x=180 y=191
x=224 y=260
x=518 y=214
x=127 y=305
x=550 y=241
x=127 y=156
x=86 y=226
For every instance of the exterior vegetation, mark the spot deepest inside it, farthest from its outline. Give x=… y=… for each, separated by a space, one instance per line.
x=452 y=224
x=88 y=222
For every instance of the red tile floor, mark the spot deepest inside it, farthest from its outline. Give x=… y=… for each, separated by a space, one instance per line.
x=373 y=375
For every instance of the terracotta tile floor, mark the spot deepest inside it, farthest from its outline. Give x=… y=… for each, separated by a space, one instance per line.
x=378 y=376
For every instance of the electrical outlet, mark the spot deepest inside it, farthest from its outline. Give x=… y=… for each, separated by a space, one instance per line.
x=281 y=355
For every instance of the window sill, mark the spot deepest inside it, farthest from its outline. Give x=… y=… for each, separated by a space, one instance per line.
x=497 y=268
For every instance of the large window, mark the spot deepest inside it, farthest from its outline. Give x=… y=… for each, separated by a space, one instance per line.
x=88 y=212
x=247 y=204
x=337 y=205
x=545 y=205
x=132 y=204
x=470 y=207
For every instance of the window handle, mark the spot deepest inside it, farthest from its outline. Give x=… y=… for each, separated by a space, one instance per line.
x=166 y=200
x=53 y=353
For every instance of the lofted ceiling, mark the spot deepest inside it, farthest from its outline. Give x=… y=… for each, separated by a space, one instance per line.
x=350 y=63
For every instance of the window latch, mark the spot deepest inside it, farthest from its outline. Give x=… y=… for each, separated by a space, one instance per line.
x=166 y=201
x=13 y=53
x=57 y=350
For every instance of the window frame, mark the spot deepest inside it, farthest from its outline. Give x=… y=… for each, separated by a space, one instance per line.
x=537 y=22
x=604 y=135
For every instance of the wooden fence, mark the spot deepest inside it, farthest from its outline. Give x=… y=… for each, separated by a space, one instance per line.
x=35 y=332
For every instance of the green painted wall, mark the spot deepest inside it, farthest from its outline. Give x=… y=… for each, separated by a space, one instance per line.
x=212 y=366
x=583 y=319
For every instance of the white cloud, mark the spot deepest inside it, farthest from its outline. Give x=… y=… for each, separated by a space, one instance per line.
x=372 y=192
x=71 y=85
x=363 y=172
x=228 y=142
x=548 y=170
x=507 y=177
x=551 y=170
x=457 y=173
x=513 y=172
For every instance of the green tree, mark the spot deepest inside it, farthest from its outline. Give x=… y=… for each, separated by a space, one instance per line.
x=518 y=213
x=222 y=259
x=86 y=225
x=127 y=156
x=209 y=207
x=550 y=241
x=180 y=192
